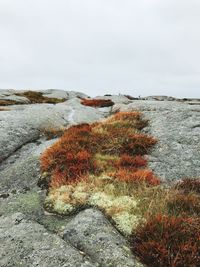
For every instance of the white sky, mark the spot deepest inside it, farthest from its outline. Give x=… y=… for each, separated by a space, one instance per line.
x=137 y=47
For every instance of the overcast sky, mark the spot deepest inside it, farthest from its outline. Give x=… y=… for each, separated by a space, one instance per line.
x=137 y=47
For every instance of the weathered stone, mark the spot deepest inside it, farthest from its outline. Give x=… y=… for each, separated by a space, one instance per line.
x=62 y=94
x=23 y=124
x=21 y=170
x=28 y=244
x=177 y=128
x=92 y=233
x=115 y=98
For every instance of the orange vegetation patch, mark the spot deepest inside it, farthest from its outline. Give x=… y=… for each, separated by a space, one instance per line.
x=130 y=162
x=73 y=156
x=70 y=157
x=168 y=241
x=100 y=103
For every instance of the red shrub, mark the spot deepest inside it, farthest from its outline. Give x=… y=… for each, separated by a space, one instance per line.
x=168 y=242
x=71 y=156
x=188 y=185
x=136 y=144
x=97 y=102
x=129 y=162
x=184 y=203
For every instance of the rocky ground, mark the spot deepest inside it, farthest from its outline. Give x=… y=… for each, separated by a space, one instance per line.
x=32 y=237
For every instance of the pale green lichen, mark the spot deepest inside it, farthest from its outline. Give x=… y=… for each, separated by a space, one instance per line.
x=62 y=207
x=101 y=199
x=126 y=222
x=121 y=209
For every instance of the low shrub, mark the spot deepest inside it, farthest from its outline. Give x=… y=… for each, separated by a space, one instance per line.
x=100 y=103
x=134 y=119
x=4 y=109
x=130 y=162
x=135 y=144
x=51 y=133
x=37 y=97
x=189 y=185
x=70 y=156
x=7 y=102
x=136 y=176
x=184 y=204
x=168 y=241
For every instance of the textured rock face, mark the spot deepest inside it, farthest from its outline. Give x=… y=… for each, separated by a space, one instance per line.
x=22 y=124
x=177 y=128
x=90 y=232
x=28 y=244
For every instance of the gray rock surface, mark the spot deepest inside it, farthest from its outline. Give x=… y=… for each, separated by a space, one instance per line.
x=22 y=124
x=118 y=99
x=21 y=170
x=62 y=94
x=92 y=233
x=160 y=98
x=6 y=92
x=28 y=244
x=177 y=128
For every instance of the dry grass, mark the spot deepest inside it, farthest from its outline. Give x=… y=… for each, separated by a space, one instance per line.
x=37 y=97
x=4 y=109
x=51 y=133
x=7 y=102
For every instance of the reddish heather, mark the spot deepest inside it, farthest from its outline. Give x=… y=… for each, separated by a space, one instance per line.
x=166 y=241
x=72 y=157
x=100 y=103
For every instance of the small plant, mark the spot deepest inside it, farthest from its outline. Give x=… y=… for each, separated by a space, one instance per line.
x=70 y=157
x=184 y=204
x=100 y=103
x=189 y=185
x=134 y=119
x=136 y=144
x=136 y=176
x=130 y=162
x=51 y=133
x=168 y=241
